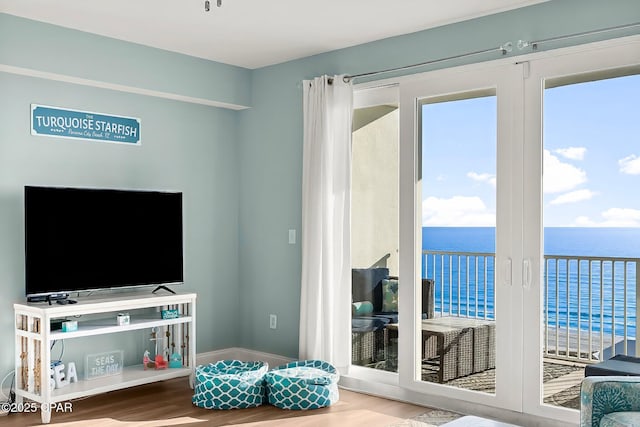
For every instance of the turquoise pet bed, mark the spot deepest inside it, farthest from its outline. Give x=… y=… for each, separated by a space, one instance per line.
x=306 y=384
x=230 y=384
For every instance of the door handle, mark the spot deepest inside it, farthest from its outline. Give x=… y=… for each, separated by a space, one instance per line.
x=526 y=274
x=507 y=272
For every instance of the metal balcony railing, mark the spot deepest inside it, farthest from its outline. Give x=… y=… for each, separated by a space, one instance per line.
x=463 y=281
x=589 y=303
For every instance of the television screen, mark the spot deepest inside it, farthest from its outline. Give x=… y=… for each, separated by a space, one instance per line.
x=84 y=239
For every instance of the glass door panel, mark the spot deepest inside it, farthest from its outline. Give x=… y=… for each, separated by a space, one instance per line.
x=581 y=222
x=458 y=205
x=591 y=227
x=374 y=228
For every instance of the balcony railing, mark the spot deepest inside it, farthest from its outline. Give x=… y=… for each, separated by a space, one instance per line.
x=589 y=303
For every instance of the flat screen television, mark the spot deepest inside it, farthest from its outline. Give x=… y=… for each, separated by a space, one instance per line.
x=79 y=239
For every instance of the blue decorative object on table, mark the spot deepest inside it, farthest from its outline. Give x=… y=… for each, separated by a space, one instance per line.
x=70 y=326
x=170 y=313
x=306 y=384
x=230 y=384
x=175 y=360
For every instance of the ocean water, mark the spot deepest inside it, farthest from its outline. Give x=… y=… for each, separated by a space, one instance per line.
x=464 y=283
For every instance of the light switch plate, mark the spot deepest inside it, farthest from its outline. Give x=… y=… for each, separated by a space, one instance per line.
x=273 y=321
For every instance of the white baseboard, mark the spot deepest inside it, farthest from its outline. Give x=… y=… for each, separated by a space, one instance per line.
x=237 y=353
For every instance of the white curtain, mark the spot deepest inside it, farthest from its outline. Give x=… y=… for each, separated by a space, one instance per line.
x=326 y=193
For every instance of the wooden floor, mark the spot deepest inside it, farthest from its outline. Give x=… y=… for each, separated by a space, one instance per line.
x=168 y=403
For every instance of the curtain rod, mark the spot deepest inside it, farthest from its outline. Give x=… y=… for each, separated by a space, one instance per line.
x=534 y=44
x=506 y=47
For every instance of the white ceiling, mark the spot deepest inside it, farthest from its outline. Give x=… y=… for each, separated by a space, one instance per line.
x=254 y=33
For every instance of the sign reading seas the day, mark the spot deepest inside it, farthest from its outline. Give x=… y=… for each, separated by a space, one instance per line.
x=104 y=364
x=64 y=123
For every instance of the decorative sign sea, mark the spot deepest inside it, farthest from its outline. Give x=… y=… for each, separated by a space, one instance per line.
x=65 y=123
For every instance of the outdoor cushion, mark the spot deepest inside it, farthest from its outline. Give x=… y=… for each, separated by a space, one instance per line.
x=390 y=295
x=361 y=308
x=366 y=285
x=306 y=384
x=617 y=365
x=388 y=317
x=368 y=323
x=230 y=384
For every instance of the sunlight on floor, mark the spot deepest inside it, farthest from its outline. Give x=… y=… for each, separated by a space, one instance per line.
x=342 y=418
x=110 y=422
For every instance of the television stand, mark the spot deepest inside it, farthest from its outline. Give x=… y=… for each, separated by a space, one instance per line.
x=162 y=287
x=34 y=336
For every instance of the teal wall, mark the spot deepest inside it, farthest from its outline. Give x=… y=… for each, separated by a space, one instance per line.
x=185 y=147
x=240 y=171
x=44 y=47
x=271 y=141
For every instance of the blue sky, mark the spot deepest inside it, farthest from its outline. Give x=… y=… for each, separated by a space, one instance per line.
x=591 y=157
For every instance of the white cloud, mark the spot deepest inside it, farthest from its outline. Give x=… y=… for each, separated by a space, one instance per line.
x=613 y=217
x=440 y=178
x=457 y=211
x=573 y=197
x=483 y=177
x=584 y=221
x=573 y=153
x=623 y=216
x=560 y=177
x=630 y=165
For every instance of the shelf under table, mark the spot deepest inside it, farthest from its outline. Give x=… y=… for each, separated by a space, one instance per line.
x=102 y=326
x=131 y=376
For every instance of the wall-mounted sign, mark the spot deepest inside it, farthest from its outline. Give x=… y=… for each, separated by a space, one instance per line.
x=64 y=123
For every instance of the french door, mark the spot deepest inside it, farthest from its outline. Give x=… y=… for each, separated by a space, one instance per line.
x=460 y=206
x=490 y=146
x=488 y=158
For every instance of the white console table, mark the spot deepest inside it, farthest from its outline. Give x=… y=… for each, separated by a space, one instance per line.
x=34 y=337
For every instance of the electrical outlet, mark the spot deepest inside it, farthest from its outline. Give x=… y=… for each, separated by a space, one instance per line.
x=273 y=321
